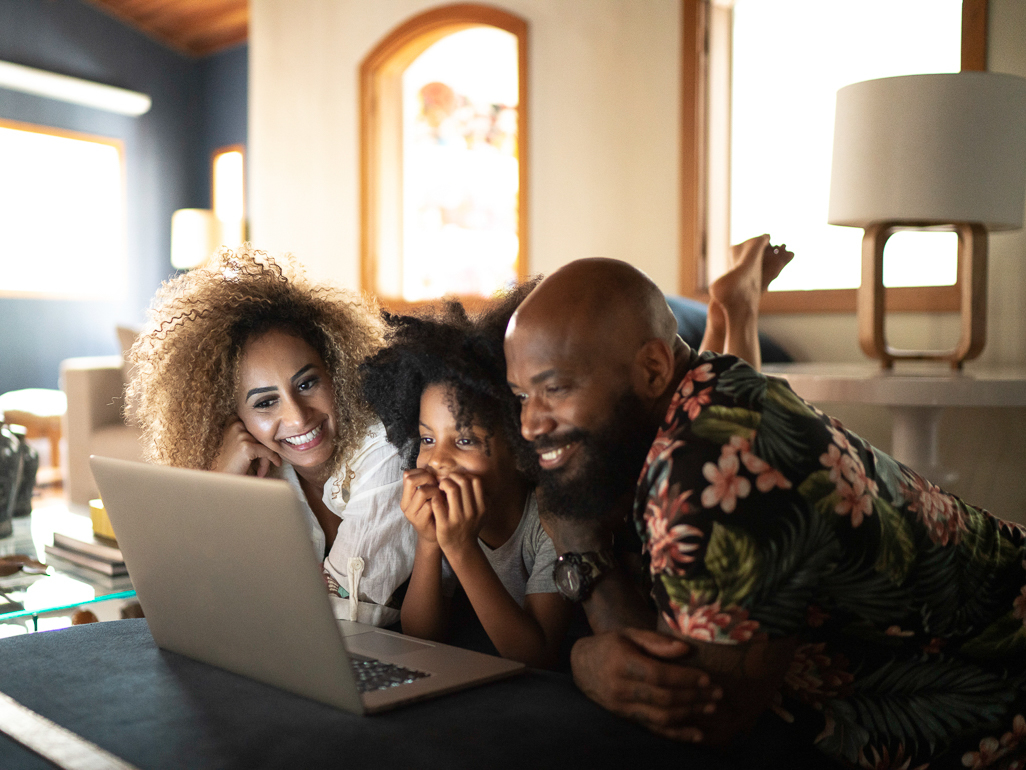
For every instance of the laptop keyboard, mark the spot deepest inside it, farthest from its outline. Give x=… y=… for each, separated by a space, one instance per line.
x=372 y=674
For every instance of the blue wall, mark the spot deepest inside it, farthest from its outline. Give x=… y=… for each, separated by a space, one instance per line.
x=198 y=105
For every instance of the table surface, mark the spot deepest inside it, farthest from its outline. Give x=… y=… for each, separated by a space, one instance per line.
x=65 y=586
x=909 y=385
x=110 y=683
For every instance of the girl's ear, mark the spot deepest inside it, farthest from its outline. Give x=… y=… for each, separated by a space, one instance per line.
x=653 y=369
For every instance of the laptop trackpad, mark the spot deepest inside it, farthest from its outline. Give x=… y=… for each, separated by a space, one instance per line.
x=389 y=644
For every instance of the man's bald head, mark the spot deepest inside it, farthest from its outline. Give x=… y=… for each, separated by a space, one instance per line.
x=591 y=355
x=599 y=305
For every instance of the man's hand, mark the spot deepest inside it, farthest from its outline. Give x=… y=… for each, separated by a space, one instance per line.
x=629 y=673
x=242 y=454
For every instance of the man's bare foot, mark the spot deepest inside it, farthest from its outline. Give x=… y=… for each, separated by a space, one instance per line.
x=774 y=259
x=739 y=288
x=715 y=337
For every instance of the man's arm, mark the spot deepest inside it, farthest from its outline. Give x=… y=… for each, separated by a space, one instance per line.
x=750 y=675
x=627 y=667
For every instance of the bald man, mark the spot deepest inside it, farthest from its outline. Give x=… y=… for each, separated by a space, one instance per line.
x=775 y=562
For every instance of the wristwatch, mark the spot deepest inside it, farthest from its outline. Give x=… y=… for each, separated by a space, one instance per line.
x=576 y=574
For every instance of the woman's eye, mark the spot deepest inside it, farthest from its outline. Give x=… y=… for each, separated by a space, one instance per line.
x=264 y=403
x=307 y=384
x=426 y=440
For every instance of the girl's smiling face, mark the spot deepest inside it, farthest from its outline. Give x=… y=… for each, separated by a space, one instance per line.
x=445 y=448
x=286 y=401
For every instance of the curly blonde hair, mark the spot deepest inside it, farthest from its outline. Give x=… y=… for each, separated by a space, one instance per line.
x=185 y=364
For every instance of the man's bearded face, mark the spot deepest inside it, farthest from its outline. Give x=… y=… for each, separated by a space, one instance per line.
x=607 y=465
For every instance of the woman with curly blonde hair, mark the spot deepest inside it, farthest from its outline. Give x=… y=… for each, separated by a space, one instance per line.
x=246 y=367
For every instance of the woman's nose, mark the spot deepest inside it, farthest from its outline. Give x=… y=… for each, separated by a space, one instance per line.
x=293 y=412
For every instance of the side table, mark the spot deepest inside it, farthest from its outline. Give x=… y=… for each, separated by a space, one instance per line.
x=65 y=587
x=916 y=397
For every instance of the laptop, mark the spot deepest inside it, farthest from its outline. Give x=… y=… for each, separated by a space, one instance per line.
x=225 y=572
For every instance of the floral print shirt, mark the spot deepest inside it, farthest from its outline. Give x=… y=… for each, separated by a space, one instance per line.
x=760 y=515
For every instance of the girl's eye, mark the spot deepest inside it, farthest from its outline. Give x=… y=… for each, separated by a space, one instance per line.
x=426 y=440
x=466 y=442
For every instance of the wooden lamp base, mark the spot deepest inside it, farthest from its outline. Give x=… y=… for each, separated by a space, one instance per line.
x=972 y=275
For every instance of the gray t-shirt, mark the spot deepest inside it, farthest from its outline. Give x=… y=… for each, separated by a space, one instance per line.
x=523 y=563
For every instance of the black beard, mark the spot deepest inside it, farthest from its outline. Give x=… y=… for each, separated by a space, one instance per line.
x=610 y=462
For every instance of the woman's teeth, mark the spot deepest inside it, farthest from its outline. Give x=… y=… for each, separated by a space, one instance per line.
x=306 y=438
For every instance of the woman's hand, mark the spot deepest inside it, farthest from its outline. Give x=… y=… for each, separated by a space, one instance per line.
x=242 y=454
x=459 y=512
x=420 y=487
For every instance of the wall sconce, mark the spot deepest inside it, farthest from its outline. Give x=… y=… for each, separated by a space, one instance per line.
x=929 y=152
x=198 y=233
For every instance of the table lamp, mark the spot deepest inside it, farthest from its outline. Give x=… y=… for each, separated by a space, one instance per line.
x=929 y=152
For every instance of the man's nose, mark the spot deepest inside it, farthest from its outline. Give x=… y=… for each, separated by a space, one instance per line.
x=535 y=420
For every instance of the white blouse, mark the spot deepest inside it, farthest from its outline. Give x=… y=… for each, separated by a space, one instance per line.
x=373 y=526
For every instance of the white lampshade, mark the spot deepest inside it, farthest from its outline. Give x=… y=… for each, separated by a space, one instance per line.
x=195 y=235
x=930 y=149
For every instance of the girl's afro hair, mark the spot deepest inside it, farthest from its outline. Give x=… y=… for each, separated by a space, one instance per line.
x=446 y=346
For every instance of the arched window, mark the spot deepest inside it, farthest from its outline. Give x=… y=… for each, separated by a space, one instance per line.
x=443 y=112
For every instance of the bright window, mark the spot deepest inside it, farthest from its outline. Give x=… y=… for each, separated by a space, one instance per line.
x=789 y=57
x=443 y=135
x=62 y=215
x=460 y=166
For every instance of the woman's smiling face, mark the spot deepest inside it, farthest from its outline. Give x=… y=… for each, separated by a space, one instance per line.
x=286 y=401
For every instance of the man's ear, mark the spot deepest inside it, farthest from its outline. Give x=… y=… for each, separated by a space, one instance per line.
x=653 y=369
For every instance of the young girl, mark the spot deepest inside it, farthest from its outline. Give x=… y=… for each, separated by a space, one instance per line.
x=440 y=389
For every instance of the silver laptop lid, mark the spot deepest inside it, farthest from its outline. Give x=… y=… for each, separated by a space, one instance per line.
x=262 y=612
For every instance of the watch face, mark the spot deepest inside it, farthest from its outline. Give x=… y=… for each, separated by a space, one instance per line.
x=571 y=576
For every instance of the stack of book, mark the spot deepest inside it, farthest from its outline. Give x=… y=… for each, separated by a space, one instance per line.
x=92 y=553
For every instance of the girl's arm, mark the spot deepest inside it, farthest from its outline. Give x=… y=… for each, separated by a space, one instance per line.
x=530 y=634
x=425 y=610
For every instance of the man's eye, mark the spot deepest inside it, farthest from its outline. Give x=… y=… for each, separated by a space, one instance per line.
x=555 y=389
x=521 y=397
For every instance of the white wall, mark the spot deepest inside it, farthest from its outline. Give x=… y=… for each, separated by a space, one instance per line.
x=604 y=111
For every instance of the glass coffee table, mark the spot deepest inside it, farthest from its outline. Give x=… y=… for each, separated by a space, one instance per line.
x=27 y=599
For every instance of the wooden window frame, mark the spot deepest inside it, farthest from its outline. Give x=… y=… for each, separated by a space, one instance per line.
x=693 y=279
x=381 y=136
